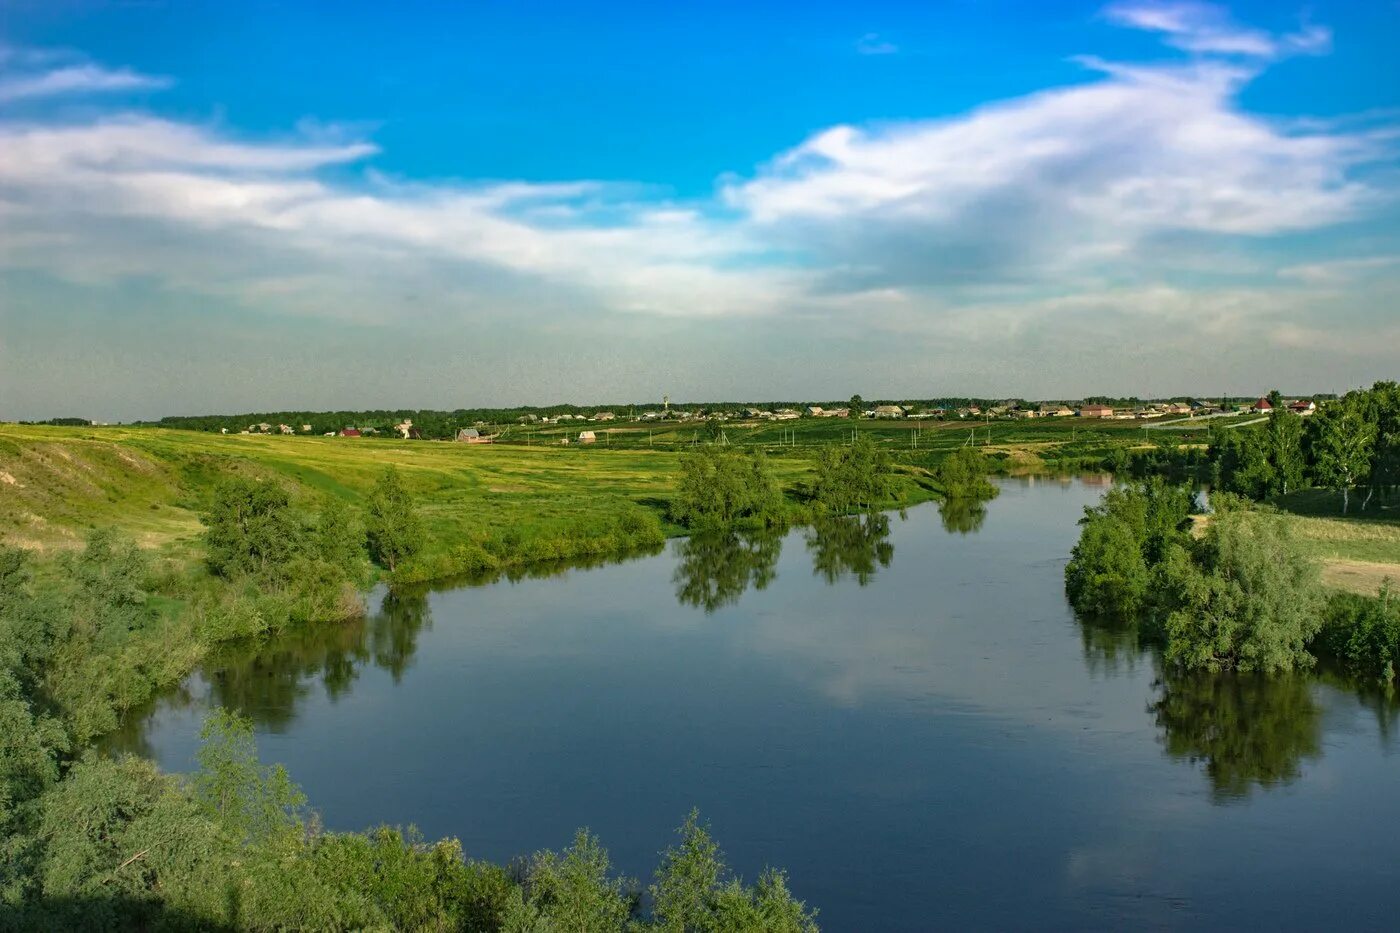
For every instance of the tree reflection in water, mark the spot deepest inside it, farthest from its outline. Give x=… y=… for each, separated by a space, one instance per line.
x=1248 y=730
x=714 y=570
x=857 y=545
x=962 y=515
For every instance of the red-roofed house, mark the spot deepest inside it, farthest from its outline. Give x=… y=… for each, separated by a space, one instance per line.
x=1263 y=405
x=350 y=432
x=1303 y=406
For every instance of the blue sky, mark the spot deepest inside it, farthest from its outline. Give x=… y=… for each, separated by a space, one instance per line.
x=241 y=206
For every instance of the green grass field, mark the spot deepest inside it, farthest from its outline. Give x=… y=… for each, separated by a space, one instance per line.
x=56 y=484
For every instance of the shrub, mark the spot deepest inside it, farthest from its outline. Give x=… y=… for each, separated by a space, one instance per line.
x=1244 y=598
x=719 y=488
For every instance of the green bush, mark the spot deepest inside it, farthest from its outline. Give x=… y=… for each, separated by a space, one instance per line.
x=1363 y=632
x=1243 y=598
x=720 y=488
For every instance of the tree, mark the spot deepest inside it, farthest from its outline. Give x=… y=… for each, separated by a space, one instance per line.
x=1342 y=446
x=963 y=475
x=393 y=526
x=251 y=801
x=853 y=478
x=1275 y=398
x=252 y=529
x=1284 y=440
x=1245 y=598
x=719 y=488
x=855 y=406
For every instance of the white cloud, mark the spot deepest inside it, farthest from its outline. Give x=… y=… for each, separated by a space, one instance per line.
x=76 y=79
x=1207 y=29
x=872 y=43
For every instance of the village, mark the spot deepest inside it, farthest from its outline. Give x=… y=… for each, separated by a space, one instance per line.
x=1156 y=413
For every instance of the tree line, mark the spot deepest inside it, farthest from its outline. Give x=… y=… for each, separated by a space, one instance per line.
x=1351 y=445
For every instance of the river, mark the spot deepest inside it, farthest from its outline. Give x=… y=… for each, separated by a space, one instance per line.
x=902 y=711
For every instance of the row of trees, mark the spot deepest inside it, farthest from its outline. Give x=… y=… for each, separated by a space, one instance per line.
x=723 y=488
x=1351 y=443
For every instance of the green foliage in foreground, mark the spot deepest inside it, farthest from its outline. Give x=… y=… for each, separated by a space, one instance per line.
x=117 y=844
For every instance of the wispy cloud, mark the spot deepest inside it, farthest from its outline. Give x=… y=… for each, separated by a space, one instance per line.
x=1209 y=29
x=76 y=79
x=872 y=43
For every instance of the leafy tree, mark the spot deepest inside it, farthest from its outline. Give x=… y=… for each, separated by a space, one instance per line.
x=573 y=891
x=1275 y=398
x=1244 y=598
x=254 y=803
x=252 y=529
x=1123 y=537
x=1364 y=633
x=1241 y=463
x=963 y=475
x=1107 y=574
x=1343 y=443
x=393 y=526
x=855 y=406
x=1285 y=451
x=853 y=478
x=719 y=488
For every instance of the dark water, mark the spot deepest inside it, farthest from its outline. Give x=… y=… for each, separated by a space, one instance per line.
x=902 y=712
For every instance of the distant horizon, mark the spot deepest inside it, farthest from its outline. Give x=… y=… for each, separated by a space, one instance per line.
x=546 y=200
x=617 y=407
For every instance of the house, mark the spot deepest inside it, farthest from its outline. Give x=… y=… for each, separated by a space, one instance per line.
x=404 y=427
x=587 y=437
x=1055 y=411
x=1024 y=413
x=223 y=430
x=785 y=414
x=1263 y=405
x=473 y=436
x=1303 y=406
x=265 y=428
x=604 y=416
x=1095 y=411
x=887 y=411
x=813 y=411
x=285 y=429
x=350 y=432
x=306 y=429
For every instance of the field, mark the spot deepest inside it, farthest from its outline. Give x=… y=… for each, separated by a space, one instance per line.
x=56 y=484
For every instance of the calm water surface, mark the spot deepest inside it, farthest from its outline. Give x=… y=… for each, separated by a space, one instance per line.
x=905 y=714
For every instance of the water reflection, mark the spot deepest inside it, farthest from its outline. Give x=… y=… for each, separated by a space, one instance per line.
x=1247 y=730
x=963 y=516
x=851 y=545
x=714 y=570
